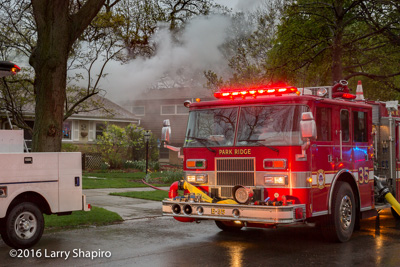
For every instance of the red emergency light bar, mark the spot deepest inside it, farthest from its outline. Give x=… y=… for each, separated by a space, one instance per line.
x=231 y=94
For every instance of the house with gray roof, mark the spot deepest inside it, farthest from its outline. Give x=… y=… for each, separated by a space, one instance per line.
x=83 y=127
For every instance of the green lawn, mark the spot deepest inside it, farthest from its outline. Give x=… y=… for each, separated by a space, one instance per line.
x=118 y=180
x=156 y=195
x=97 y=216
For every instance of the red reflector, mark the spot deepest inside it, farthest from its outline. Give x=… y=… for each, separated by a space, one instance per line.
x=299 y=213
x=268 y=164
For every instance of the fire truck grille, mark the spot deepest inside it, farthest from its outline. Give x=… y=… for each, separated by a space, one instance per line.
x=239 y=171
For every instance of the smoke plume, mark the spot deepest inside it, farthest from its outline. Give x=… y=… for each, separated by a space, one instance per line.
x=197 y=50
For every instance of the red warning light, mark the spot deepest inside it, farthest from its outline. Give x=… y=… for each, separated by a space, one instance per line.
x=254 y=92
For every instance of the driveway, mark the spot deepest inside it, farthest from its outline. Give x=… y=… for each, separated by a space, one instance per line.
x=128 y=208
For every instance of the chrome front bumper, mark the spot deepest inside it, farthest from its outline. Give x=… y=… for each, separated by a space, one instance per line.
x=228 y=212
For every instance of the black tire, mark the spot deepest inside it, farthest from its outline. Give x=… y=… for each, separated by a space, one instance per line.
x=228 y=226
x=395 y=214
x=339 y=225
x=24 y=226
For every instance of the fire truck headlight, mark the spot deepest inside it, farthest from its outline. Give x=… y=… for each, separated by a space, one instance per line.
x=276 y=180
x=197 y=178
x=279 y=180
x=191 y=178
x=201 y=178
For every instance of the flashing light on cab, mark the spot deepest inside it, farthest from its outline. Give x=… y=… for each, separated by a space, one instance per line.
x=255 y=92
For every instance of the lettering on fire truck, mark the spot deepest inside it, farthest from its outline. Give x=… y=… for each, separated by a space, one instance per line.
x=234 y=151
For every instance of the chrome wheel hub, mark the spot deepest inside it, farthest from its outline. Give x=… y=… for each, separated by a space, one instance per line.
x=25 y=225
x=345 y=210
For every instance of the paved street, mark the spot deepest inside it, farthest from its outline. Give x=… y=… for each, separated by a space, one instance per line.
x=127 y=208
x=159 y=241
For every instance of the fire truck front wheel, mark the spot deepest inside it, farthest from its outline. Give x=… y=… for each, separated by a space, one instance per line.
x=340 y=223
x=23 y=226
x=228 y=226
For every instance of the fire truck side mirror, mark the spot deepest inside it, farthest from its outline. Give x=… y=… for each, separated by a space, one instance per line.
x=166 y=132
x=308 y=127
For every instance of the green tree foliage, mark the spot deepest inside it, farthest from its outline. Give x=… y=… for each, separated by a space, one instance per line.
x=310 y=43
x=322 y=42
x=118 y=144
x=251 y=38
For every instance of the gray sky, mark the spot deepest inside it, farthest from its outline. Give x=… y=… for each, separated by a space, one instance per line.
x=240 y=5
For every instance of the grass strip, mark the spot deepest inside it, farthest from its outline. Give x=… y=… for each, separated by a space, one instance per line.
x=97 y=216
x=116 y=180
x=156 y=195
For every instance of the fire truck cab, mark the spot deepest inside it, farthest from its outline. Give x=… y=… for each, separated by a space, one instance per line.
x=270 y=156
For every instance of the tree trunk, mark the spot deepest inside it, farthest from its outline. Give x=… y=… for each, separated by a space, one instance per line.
x=49 y=59
x=337 y=48
x=337 y=54
x=57 y=31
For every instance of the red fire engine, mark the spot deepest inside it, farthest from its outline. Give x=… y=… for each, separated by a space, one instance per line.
x=278 y=155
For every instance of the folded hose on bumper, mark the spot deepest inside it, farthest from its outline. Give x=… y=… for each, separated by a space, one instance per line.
x=385 y=192
x=187 y=209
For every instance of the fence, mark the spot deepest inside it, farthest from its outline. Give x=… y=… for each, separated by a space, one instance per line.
x=91 y=161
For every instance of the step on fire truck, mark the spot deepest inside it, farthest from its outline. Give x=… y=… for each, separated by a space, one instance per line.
x=278 y=155
x=34 y=183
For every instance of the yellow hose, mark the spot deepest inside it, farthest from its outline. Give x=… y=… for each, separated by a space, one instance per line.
x=395 y=205
x=195 y=190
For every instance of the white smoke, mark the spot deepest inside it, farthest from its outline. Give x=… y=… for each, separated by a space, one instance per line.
x=248 y=5
x=242 y=5
x=198 y=49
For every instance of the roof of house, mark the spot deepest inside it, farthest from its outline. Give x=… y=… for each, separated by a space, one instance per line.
x=107 y=110
x=95 y=108
x=175 y=93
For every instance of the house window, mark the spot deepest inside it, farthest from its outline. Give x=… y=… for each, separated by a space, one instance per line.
x=168 y=110
x=67 y=130
x=138 y=110
x=99 y=129
x=174 y=110
x=181 y=109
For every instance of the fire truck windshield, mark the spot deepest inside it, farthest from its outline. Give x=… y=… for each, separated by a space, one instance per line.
x=211 y=127
x=276 y=125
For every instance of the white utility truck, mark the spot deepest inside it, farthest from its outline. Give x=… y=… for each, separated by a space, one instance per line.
x=33 y=184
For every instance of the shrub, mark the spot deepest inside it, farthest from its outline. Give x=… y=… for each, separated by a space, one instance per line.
x=117 y=145
x=172 y=176
x=141 y=165
x=67 y=147
x=112 y=145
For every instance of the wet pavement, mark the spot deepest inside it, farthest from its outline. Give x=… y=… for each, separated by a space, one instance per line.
x=160 y=241
x=127 y=208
